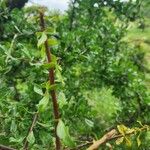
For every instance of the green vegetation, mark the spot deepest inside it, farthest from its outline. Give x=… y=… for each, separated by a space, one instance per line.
x=139 y=36
x=92 y=61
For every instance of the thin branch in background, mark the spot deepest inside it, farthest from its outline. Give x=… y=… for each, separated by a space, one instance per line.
x=30 y=130
x=2 y=147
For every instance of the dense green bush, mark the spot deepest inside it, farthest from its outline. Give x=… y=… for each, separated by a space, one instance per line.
x=95 y=72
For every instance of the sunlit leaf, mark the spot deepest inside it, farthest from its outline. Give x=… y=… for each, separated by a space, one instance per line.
x=54 y=59
x=42 y=39
x=50 y=87
x=138 y=140
x=49 y=65
x=63 y=133
x=52 y=42
x=119 y=140
x=50 y=30
x=122 y=129
x=43 y=102
x=31 y=138
x=59 y=76
x=128 y=142
x=62 y=99
x=16 y=140
x=89 y=122
x=43 y=54
x=140 y=123
x=39 y=34
x=38 y=90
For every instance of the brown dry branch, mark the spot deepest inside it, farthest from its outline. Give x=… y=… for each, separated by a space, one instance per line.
x=113 y=134
x=108 y=136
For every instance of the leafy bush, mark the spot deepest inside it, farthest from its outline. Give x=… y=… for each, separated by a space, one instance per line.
x=94 y=68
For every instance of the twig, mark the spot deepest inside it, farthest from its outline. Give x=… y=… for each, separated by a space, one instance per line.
x=79 y=147
x=2 y=147
x=52 y=82
x=104 y=139
x=30 y=130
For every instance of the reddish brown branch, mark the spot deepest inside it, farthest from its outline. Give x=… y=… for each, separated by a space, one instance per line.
x=25 y=147
x=52 y=82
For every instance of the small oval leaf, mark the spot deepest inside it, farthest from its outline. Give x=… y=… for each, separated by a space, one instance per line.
x=31 y=138
x=38 y=90
x=119 y=140
x=52 y=42
x=42 y=39
x=43 y=102
x=63 y=134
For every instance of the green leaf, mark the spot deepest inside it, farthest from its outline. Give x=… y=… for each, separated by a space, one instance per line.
x=52 y=42
x=13 y=127
x=140 y=123
x=42 y=52
x=63 y=134
x=50 y=87
x=61 y=130
x=16 y=140
x=128 y=142
x=39 y=34
x=50 y=30
x=42 y=39
x=31 y=138
x=59 y=77
x=44 y=125
x=138 y=140
x=27 y=53
x=43 y=102
x=89 y=122
x=54 y=59
x=49 y=65
x=62 y=99
x=38 y=90
x=129 y=131
x=122 y=129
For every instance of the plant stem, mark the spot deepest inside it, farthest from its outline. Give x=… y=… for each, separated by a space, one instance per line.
x=30 y=130
x=52 y=82
x=2 y=147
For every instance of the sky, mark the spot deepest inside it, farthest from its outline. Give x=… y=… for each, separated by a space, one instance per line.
x=52 y=4
x=62 y=5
